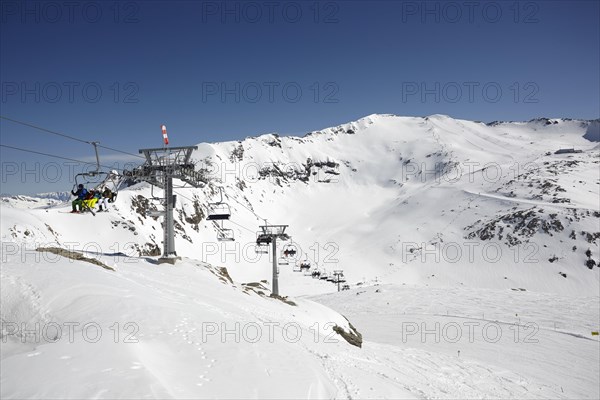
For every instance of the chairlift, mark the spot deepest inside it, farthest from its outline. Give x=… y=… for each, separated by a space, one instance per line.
x=220 y=210
x=297 y=268
x=304 y=265
x=115 y=180
x=289 y=250
x=99 y=179
x=95 y=177
x=225 y=235
x=263 y=239
x=155 y=198
x=283 y=261
x=259 y=249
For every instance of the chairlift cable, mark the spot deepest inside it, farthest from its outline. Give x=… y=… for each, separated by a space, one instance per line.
x=66 y=136
x=233 y=222
x=48 y=155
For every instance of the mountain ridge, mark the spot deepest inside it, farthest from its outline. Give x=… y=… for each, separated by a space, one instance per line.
x=377 y=198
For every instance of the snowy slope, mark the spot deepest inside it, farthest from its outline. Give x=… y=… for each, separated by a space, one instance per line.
x=396 y=199
x=501 y=344
x=153 y=332
x=456 y=217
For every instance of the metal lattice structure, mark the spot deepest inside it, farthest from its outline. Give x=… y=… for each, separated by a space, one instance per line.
x=339 y=278
x=270 y=234
x=161 y=167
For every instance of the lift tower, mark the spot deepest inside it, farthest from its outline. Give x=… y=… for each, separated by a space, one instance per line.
x=161 y=166
x=270 y=234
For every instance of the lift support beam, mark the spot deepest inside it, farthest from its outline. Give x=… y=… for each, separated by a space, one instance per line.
x=275 y=232
x=161 y=166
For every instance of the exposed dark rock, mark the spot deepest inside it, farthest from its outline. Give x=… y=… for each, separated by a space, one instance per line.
x=73 y=255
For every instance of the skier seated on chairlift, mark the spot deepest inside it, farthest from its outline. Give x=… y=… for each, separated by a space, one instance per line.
x=90 y=200
x=110 y=195
x=81 y=193
x=105 y=198
x=289 y=252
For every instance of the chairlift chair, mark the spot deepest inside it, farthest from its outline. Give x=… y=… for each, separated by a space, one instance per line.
x=261 y=249
x=263 y=239
x=94 y=177
x=225 y=235
x=304 y=265
x=283 y=261
x=220 y=210
x=289 y=250
x=262 y=243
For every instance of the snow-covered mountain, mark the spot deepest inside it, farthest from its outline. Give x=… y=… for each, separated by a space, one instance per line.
x=401 y=200
x=35 y=201
x=427 y=206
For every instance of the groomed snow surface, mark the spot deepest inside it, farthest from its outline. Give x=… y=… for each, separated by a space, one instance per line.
x=390 y=199
x=149 y=331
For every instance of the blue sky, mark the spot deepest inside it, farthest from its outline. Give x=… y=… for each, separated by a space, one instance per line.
x=215 y=71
